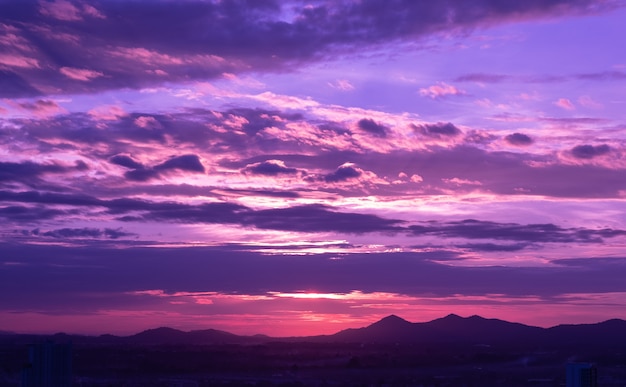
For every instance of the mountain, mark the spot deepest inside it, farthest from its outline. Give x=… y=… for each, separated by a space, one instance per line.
x=449 y=329
x=610 y=332
x=166 y=335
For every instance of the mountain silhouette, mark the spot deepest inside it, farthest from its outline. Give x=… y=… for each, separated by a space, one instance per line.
x=165 y=335
x=451 y=329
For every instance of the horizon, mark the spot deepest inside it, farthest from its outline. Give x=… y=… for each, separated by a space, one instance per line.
x=128 y=334
x=308 y=166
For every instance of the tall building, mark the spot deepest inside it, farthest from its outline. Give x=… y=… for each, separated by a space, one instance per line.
x=581 y=375
x=49 y=365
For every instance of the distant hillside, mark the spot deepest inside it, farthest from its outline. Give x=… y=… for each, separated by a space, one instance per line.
x=452 y=329
x=173 y=336
x=449 y=329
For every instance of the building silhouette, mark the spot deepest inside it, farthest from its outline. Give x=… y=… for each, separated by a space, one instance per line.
x=581 y=375
x=49 y=365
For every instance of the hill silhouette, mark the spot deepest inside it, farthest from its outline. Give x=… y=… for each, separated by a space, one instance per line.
x=451 y=329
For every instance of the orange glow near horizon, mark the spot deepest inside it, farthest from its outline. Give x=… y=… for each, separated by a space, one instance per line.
x=307 y=314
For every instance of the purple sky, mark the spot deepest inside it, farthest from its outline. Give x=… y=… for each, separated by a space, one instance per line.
x=299 y=167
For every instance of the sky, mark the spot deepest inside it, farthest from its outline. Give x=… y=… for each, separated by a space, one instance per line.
x=300 y=167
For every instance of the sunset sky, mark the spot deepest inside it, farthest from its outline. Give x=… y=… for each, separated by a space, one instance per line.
x=300 y=167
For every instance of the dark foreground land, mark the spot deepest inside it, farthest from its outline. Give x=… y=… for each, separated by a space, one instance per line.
x=319 y=364
x=372 y=356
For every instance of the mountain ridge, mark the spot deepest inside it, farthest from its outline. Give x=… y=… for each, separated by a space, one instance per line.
x=450 y=329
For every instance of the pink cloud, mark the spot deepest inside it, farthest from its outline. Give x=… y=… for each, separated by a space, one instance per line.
x=416 y=179
x=66 y=10
x=457 y=181
x=80 y=74
x=92 y=11
x=17 y=60
x=440 y=90
x=60 y=9
x=147 y=122
x=589 y=102
x=107 y=113
x=565 y=103
x=341 y=84
x=146 y=56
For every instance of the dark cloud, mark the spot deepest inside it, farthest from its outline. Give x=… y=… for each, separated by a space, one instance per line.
x=126 y=161
x=531 y=233
x=190 y=163
x=499 y=172
x=270 y=168
x=613 y=75
x=319 y=218
x=31 y=214
x=128 y=46
x=491 y=247
x=268 y=193
x=590 y=151
x=438 y=130
x=483 y=78
x=86 y=232
x=370 y=126
x=105 y=270
x=141 y=174
x=29 y=172
x=518 y=139
x=305 y=218
x=591 y=263
x=39 y=106
x=603 y=76
x=343 y=173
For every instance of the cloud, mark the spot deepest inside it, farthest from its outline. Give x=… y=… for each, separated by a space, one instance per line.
x=63 y=285
x=86 y=232
x=65 y=10
x=186 y=163
x=440 y=90
x=491 y=247
x=589 y=102
x=40 y=107
x=565 y=103
x=60 y=9
x=370 y=126
x=531 y=233
x=134 y=50
x=590 y=151
x=319 y=218
x=108 y=113
x=189 y=163
x=603 y=76
x=342 y=85
x=126 y=161
x=31 y=214
x=438 y=130
x=270 y=168
x=344 y=172
x=80 y=74
x=518 y=139
x=306 y=218
x=483 y=78
x=29 y=172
